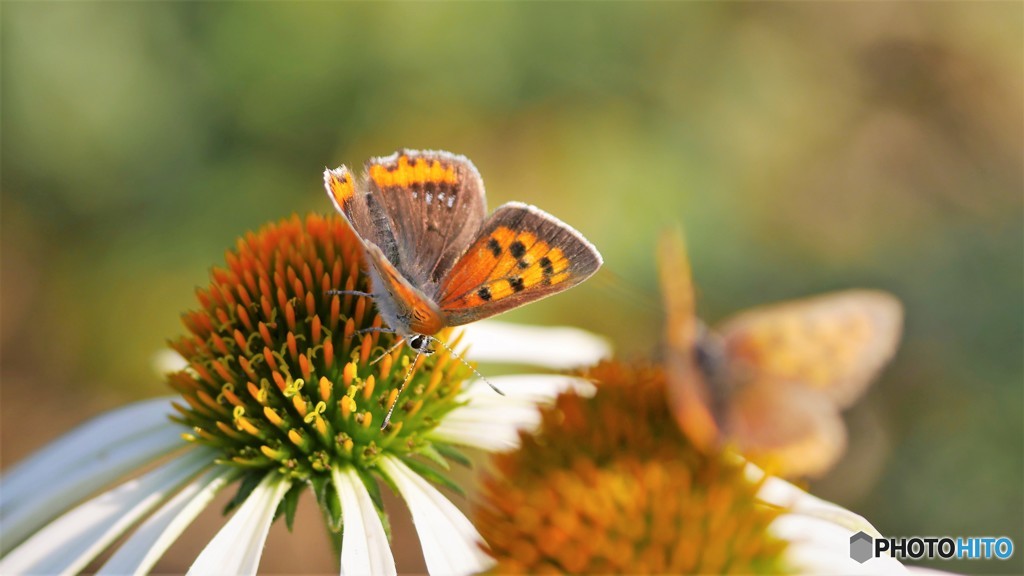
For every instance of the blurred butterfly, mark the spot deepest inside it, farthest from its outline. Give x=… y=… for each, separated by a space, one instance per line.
x=436 y=259
x=771 y=381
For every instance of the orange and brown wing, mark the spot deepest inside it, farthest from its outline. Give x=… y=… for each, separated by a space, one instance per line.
x=520 y=255
x=689 y=395
x=835 y=343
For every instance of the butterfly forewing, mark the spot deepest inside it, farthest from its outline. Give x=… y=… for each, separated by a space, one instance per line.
x=688 y=389
x=363 y=213
x=835 y=343
x=421 y=208
x=436 y=203
x=521 y=254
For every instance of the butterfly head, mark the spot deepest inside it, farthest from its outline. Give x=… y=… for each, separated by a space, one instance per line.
x=421 y=343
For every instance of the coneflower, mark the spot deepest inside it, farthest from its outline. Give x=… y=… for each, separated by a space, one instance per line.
x=610 y=485
x=278 y=393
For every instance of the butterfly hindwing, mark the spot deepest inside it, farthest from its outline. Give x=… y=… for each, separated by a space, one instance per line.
x=784 y=426
x=835 y=343
x=521 y=254
x=404 y=308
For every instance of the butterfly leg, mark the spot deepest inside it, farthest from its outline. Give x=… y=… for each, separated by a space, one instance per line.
x=352 y=292
x=375 y=329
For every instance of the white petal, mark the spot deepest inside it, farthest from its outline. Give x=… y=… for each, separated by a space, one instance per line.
x=818 y=546
x=82 y=444
x=450 y=542
x=364 y=547
x=237 y=547
x=490 y=421
x=82 y=462
x=147 y=544
x=532 y=388
x=558 y=347
x=73 y=540
x=785 y=495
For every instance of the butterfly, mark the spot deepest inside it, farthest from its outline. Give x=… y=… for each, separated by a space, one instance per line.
x=436 y=259
x=772 y=381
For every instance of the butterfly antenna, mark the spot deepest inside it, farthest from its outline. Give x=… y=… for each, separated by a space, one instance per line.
x=468 y=365
x=408 y=375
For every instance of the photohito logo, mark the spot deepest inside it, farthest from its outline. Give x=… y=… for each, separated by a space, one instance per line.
x=863 y=547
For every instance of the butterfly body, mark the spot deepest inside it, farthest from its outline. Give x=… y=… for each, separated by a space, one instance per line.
x=771 y=381
x=436 y=259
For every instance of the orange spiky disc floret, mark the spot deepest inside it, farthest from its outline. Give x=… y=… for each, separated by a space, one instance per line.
x=610 y=485
x=279 y=375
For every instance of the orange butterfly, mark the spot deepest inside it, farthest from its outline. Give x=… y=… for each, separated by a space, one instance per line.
x=771 y=381
x=436 y=258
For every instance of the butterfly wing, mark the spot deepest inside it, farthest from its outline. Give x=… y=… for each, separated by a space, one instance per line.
x=521 y=254
x=835 y=343
x=689 y=394
x=403 y=307
x=789 y=429
x=421 y=208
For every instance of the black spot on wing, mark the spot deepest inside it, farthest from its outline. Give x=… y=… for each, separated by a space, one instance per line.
x=517 y=249
x=516 y=283
x=494 y=247
x=484 y=293
x=546 y=266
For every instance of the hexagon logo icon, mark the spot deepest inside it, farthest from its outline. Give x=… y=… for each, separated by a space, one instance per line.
x=860 y=547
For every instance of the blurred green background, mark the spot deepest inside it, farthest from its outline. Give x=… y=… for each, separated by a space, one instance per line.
x=805 y=147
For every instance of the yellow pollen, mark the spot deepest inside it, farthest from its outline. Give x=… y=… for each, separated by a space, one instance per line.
x=347 y=405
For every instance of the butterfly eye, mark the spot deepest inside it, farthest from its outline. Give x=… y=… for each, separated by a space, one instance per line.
x=421 y=344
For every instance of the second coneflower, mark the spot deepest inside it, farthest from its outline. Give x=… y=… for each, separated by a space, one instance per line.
x=279 y=393
x=609 y=484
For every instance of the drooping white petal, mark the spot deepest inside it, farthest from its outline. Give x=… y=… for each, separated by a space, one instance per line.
x=87 y=459
x=558 y=347
x=817 y=546
x=364 y=548
x=781 y=493
x=818 y=531
x=149 y=542
x=490 y=421
x=82 y=444
x=237 y=547
x=69 y=543
x=450 y=542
